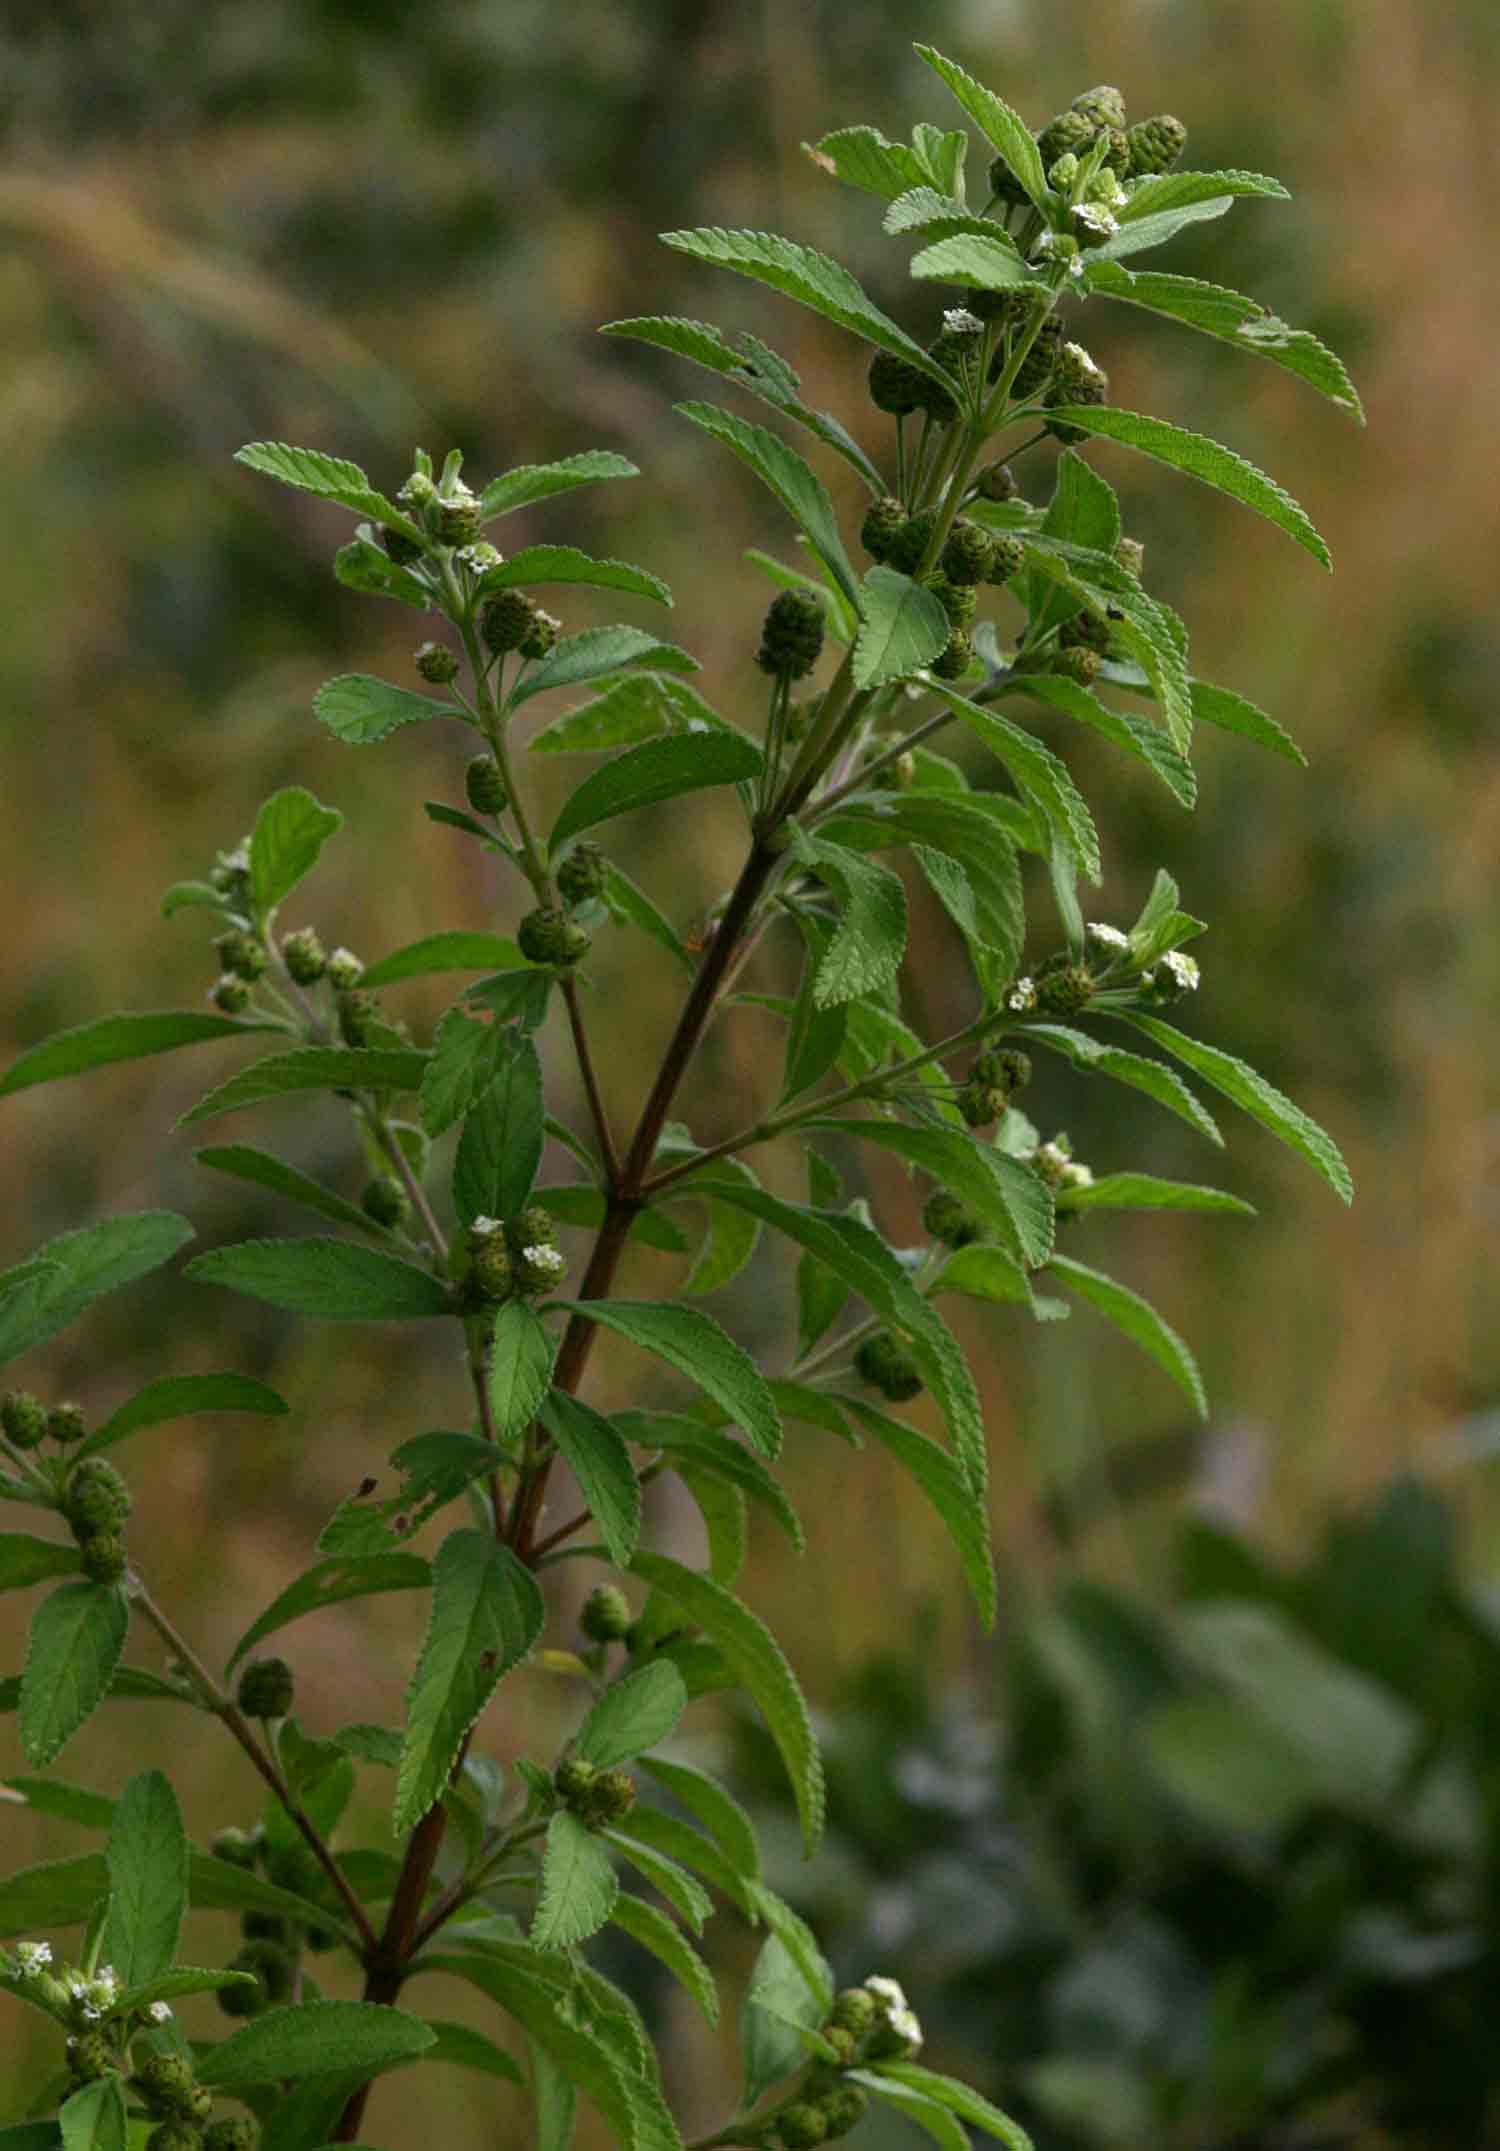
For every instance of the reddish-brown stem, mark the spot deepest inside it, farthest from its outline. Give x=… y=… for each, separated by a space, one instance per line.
x=591 y=1091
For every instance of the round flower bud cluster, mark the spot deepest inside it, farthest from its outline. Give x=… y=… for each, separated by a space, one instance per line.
x=265 y=1688
x=230 y=874
x=597 y=1797
x=344 y=970
x=436 y=663
x=955 y=658
x=1063 y=987
x=1035 y=370
x=881 y=529
x=484 y=786
x=304 y=956
x=170 y=2091
x=580 y=873
x=1170 y=977
x=453 y=516
x=241 y=954
x=1054 y=1162
x=478 y=559
x=1087 y=631
x=1077 y=380
x=1107 y=946
x=549 y=936
x=968 y=553
x=997 y=482
x=91 y=1994
x=1155 y=144
x=896 y=2035
x=949 y=1222
x=512 y=620
x=791 y=639
x=23 y=1419
x=384 y=1202
x=884 y=1362
x=519 y=1258
x=960 y=601
x=606 y=1614
x=992 y=1081
x=896 y=385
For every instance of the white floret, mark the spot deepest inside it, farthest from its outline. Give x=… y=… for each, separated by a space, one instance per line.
x=1082 y=362
x=1022 y=996
x=33 y=1957
x=1109 y=937
x=886 y=1990
x=159 y=2012
x=544 y=1258
x=958 y=321
x=1184 y=970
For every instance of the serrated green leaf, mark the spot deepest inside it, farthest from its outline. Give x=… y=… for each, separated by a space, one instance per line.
x=716 y=1809
x=1233 y=319
x=242 y=1161
x=870 y=939
x=1255 y=1096
x=147 y=1857
x=632 y=1715
x=683 y=1892
x=176 y=1396
x=1143 y=1191
x=330 y=477
x=578 y=1885
x=1135 y=735
x=655 y=1932
x=470 y=2049
x=863 y=158
x=68 y=1274
x=1004 y=128
x=950 y=1493
x=985 y=1273
x=486 y=1614
x=1005 y=1195
x=1208 y=461
x=93 y=2119
x=756 y=1661
x=779 y=2008
x=1174 y=190
x=1136 y=234
x=658 y=769
x=677 y=1437
x=290 y=831
x=122 y=1038
x=190 y=895
x=809 y=277
x=77 y=1635
x=281 y=1075
x=595 y=653
x=519 y=1369
x=902 y=628
x=1232 y=713
x=216 y=1886
x=976 y=260
x=56 y=1893
x=69 y=1803
x=327 y=1280
x=25 y=1560
x=693 y=1342
x=1163 y=1084
x=359 y=709
x=626 y=712
x=1041 y=778
x=924 y=209
x=361 y=565
x=1138 y=1320
x=922 y=2112
x=677 y=1842
x=329 y=1583
x=467 y=1055
x=595 y=1452
x=800 y=491
x=500 y=1148
x=538 y=564
x=457 y=951
x=539 y=481
x=313 y=2039
x=964 y=831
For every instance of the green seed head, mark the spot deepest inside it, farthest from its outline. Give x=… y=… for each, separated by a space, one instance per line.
x=580 y=873
x=437 y=663
x=175 y=2136
x=236 y=1847
x=997 y=481
x=611 y=1796
x=505 y=621
x=345 y=970
x=606 y=1614
x=959 y=601
x=95 y=1497
x=167 y=2085
x=23 y=1417
x=455 y=521
x=66 y=1423
x=541 y=636
x=1086 y=631
x=791 y=639
x=304 y=957
x=955 y=657
x=883 y=521
x=1007 y=559
x=103 y=1556
x=537 y=1266
x=1101 y=107
x=573 y=1779
x=230 y=995
x=948 y=1221
x=241 y=953
x=1078 y=663
x=237 y=2133
x=549 y=936
x=854 y=2010
x=272 y=1967
x=896 y=385
x=1068 y=135
x=400 y=548
x=886 y=1365
x=801 y=2126
x=909 y=541
x=90 y=2056
x=484 y=786
x=265 y=1688
x=967 y=553
x=532 y=1226
x=980 y=1104
x=1035 y=370
x=356 y=1011
x=1155 y=144
x=385 y=1202
x=843 y=2109
x=1064 y=991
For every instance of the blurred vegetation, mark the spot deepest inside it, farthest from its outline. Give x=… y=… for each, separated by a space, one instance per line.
x=362 y=227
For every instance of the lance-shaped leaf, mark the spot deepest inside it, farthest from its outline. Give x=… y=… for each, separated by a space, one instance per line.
x=290 y=831
x=519 y=1370
x=1135 y=236
x=1144 y=1191
x=359 y=709
x=1208 y=461
x=313 y=2039
x=1003 y=1193
x=923 y=209
x=945 y=2091
x=539 y=481
x=902 y=628
x=467 y=1056
x=976 y=260
x=25 y=1560
x=812 y=279
x=486 y=1614
x=77 y=1635
x=1137 y=735
x=655 y=1932
x=658 y=769
x=683 y=1892
x=242 y=1161
x=1005 y=129
x=122 y=1038
x=755 y=1659
x=800 y=491
x=1234 y=319
x=695 y=1446
x=175 y=1396
x=950 y=1493
x=1176 y=190
x=281 y=1075
x=692 y=1342
x=68 y=1274
x=1092 y=1056
x=963 y=831
x=460 y=950
x=578 y=1885
x=147 y=1856
x=633 y=1715
x=500 y=1148
x=536 y=564
x=1136 y=1319
x=328 y=1280
x=596 y=652
x=778 y=2019
x=594 y=1451
x=718 y=1811
x=330 y=477
x=870 y=940
x=1039 y=775
x=1255 y=1096
x=1232 y=713
x=329 y=1583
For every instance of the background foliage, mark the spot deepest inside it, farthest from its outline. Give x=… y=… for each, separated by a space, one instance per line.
x=368 y=227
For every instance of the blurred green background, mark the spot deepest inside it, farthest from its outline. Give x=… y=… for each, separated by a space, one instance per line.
x=362 y=227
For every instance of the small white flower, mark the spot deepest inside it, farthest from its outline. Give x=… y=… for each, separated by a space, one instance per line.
x=76 y=1985
x=1082 y=362
x=958 y=321
x=108 y=1979
x=346 y=957
x=477 y=558
x=238 y=860
x=1108 y=937
x=1095 y=222
x=159 y=2012
x=1022 y=996
x=544 y=1258
x=33 y=1957
x=1053 y=1158
x=1184 y=970
x=484 y=1226
x=1077 y=1176
x=886 y=1990
x=1075 y=266
x=906 y=2026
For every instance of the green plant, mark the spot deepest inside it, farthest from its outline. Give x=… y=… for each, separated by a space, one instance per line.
x=502 y=1882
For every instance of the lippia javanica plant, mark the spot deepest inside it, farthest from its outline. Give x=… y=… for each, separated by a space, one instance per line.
x=971 y=604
